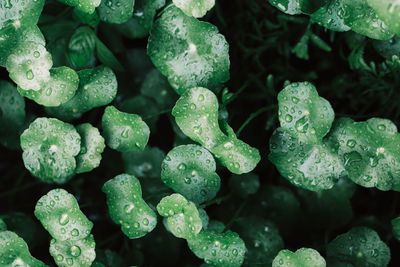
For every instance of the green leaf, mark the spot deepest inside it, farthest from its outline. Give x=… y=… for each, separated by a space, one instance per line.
x=310 y=6
x=193 y=8
x=188 y=52
x=87 y=6
x=15 y=252
x=75 y=253
x=11 y=37
x=81 y=47
x=182 y=217
x=127 y=207
x=291 y=7
x=58 y=90
x=388 y=11
x=396 y=228
x=124 y=132
x=144 y=107
x=245 y=184
x=23 y=225
x=331 y=16
x=362 y=19
x=262 y=240
x=106 y=57
x=361 y=246
x=196 y=113
x=139 y=25
x=314 y=167
x=59 y=213
x=17 y=13
x=28 y=65
x=92 y=145
x=305 y=115
x=116 y=11
x=305 y=257
x=388 y=48
x=156 y=86
x=218 y=249
x=97 y=87
x=12 y=114
x=369 y=151
x=190 y=171
x=144 y=164
x=49 y=147
x=3 y=226
x=90 y=19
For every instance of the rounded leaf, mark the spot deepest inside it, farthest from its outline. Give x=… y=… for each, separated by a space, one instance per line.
x=194 y=8
x=388 y=11
x=86 y=6
x=59 y=213
x=188 y=52
x=75 y=253
x=303 y=113
x=361 y=246
x=28 y=65
x=370 y=153
x=218 y=249
x=127 y=207
x=92 y=145
x=331 y=17
x=305 y=257
x=19 y=13
x=182 y=217
x=123 y=131
x=144 y=164
x=59 y=89
x=190 y=171
x=291 y=7
x=115 y=11
x=50 y=147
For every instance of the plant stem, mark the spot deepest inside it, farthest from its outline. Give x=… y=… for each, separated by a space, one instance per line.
x=253 y=116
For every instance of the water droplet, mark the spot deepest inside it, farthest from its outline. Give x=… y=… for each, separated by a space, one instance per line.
x=235 y=252
x=295 y=100
x=288 y=118
x=29 y=75
x=128 y=208
x=351 y=143
x=74 y=232
x=187 y=180
x=49 y=91
x=125 y=133
x=70 y=261
x=75 y=251
x=302 y=125
x=64 y=219
x=182 y=167
x=36 y=54
x=200 y=98
x=145 y=221
x=381 y=127
x=59 y=257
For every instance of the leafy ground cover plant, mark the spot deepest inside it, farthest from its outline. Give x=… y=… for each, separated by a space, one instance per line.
x=199 y=133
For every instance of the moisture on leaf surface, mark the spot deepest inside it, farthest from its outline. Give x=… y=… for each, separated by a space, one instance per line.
x=182 y=217
x=305 y=257
x=194 y=8
x=50 y=147
x=75 y=253
x=370 y=153
x=388 y=11
x=361 y=246
x=86 y=6
x=28 y=65
x=127 y=207
x=188 y=52
x=196 y=113
x=97 y=87
x=124 y=132
x=291 y=7
x=60 y=88
x=218 y=249
x=17 y=13
x=92 y=145
x=15 y=252
x=116 y=11
x=190 y=171
x=331 y=17
x=60 y=215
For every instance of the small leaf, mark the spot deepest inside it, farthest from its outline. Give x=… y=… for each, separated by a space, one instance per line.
x=194 y=8
x=116 y=11
x=106 y=57
x=81 y=47
x=305 y=257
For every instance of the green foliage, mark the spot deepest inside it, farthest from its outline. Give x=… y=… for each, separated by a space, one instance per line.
x=245 y=184
x=59 y=213
x=306 y=257
x=396 y=228
x=182 y=217
x=124 y=132
x=139 y=25
x=76 y=253
x=144 y=164
x=92 y=145
x=193 y=8
x=87 y=6
x=188 y=52
x=17 y=13
x=127 y=207
x=81 y=47
x=217 y=248
x=3 y=226
x=97 y=87
x=361 y=246
x=49 y=149
x=196 y=113
x=190 y=171
x=12 y=114
x=14 y=251
x=116 y=11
